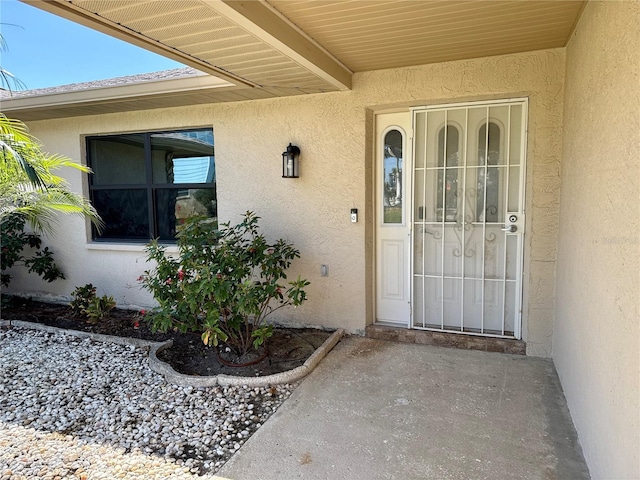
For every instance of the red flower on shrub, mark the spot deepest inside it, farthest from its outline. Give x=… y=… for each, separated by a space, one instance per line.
x=136 y=324
x=169 y=281
x=143 y=312
x=180 y=274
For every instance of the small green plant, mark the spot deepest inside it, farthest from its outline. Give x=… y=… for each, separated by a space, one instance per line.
x=86 y=303
x=14 y=240
x=223 y=284
x=82 y=298
x=99 y=308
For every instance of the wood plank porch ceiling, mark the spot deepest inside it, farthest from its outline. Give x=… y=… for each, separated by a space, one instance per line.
x=288 y=47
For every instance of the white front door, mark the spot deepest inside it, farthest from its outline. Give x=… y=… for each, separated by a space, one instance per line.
x=468 y=217
x=393 y=217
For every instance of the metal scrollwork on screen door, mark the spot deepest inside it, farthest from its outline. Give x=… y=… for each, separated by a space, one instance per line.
x=467 y=225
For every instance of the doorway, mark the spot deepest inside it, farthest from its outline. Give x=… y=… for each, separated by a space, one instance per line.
x=450 y=223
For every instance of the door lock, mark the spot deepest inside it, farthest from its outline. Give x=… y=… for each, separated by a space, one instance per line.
x=513 y=218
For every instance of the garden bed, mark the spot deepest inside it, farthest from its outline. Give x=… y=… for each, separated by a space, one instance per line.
x=288 y=348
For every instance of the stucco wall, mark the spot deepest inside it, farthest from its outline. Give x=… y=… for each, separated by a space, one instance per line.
x=597 y=332
x=333 y=132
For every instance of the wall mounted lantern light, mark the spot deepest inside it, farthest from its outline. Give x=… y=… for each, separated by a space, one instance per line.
x=291 y=162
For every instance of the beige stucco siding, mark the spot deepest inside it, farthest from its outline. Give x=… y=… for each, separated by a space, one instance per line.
x=596 y=344
x=333 y=131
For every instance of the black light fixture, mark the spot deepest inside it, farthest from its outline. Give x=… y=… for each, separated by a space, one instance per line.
x=291 y=162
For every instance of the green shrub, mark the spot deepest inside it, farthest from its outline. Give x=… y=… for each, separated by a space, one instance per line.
x=223 y=283
x=85 y=302
x=82 y=297
x=14 y=240
x=99 y=308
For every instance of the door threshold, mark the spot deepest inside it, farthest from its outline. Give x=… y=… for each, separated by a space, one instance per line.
x=444 y=339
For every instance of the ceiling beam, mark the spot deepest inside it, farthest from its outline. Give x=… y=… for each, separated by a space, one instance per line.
x=265 y=22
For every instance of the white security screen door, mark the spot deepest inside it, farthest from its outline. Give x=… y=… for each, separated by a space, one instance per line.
x=468 y=217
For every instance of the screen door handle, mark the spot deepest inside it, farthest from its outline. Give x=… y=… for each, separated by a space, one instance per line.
x=510 y=228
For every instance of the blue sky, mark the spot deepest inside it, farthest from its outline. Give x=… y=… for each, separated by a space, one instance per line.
x=46 y=51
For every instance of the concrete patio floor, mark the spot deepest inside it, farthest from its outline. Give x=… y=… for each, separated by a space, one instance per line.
x=384 y=410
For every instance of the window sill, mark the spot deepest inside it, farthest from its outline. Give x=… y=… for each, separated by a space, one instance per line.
x=125 y=247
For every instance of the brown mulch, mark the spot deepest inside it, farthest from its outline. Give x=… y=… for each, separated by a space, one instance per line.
x=288 y=348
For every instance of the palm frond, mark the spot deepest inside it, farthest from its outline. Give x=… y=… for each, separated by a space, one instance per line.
x=40 y=207
x=7 y=79
x=29 y=184
x=16 y=142
x=32 y=173
x=54 y=162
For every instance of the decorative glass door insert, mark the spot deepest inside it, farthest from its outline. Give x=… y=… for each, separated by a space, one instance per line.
x=468 y=217
x=393 y=245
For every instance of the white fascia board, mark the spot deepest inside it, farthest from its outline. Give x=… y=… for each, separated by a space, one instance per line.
x=157 y=87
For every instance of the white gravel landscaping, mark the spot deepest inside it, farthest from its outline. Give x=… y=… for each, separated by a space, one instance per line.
x=76 y=408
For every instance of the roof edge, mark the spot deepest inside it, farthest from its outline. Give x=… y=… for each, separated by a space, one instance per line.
x=113 y=92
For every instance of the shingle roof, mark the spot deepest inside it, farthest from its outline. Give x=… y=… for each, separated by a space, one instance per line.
x=110 y=82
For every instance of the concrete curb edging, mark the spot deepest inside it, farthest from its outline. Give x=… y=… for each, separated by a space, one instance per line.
x=136 y=342
x=325 y=348
x=229 y=380
x=183 y=380
x=171 y=376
